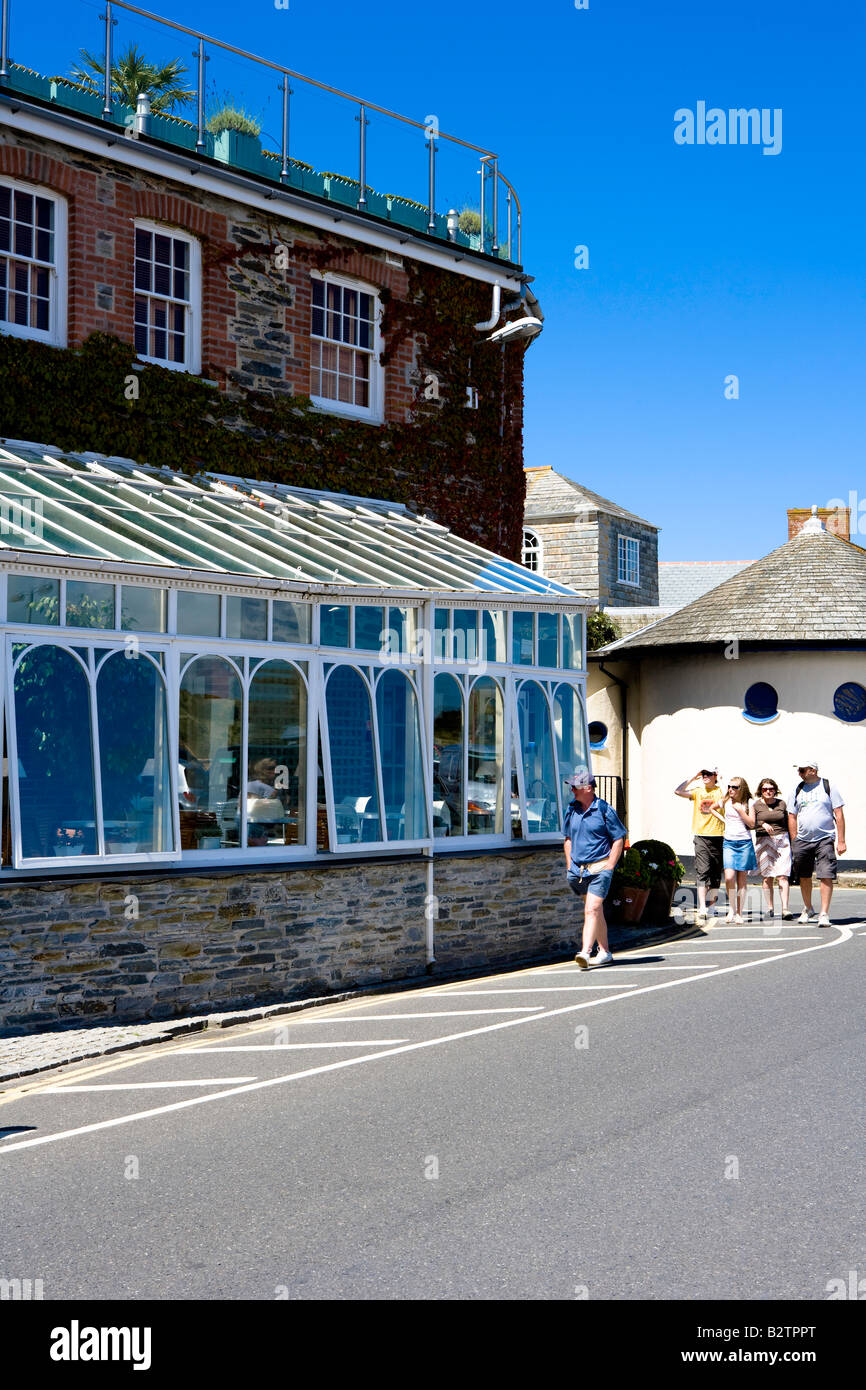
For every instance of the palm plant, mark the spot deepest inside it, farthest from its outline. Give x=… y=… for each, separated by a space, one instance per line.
x=132 y=74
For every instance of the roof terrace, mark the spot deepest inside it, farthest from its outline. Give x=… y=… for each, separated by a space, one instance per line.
x=222 y=106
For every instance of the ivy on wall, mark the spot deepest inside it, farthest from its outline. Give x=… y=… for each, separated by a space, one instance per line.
x=461 y=466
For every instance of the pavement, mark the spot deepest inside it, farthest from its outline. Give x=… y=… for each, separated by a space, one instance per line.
x=29 y=1054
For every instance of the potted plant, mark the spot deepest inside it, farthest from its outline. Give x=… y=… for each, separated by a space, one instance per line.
x=629 y=889
x=236 y=137
x=68 y=840
x=664 y=872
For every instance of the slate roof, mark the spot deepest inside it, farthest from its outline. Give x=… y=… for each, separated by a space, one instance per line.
x=548 y=493
x=811 y=589
x=682 y=581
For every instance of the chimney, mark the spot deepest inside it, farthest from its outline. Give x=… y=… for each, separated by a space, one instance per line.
x=835 y=519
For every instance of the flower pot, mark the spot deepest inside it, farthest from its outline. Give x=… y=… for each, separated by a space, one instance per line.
x=659 y=902
x=65 y=851
x=626 y=904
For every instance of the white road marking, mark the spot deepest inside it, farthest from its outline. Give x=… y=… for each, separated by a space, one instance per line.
x=144 y=1085
x=726 y=950
x=844 y=935
x=288 y=1047
x=435 y=1013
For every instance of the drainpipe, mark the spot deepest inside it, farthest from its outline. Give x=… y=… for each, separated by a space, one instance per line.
x=427 y=675
x=494 y=315
x=624 y=688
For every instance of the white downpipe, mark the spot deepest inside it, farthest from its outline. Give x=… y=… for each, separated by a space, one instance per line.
x=427 y=706
x=494 y=316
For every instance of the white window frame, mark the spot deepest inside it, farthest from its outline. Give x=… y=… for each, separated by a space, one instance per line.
x=55 y=334
x=626 y=545
x=537 y=550
x=192 y=357
x=375 y=412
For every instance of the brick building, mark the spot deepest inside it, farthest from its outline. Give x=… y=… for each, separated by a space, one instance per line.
x=270 y=727
x=215 y=258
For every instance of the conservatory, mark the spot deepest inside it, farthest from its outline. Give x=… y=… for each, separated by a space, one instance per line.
x=215 y=671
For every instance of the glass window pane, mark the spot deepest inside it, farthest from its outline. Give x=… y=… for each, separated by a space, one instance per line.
x=134 y=756
x=369 y=623
x=198 y=613
x=353 y=771
x=247 y=618
x=402 y=765
x=89 y=604
x=291 y=621
x=141 y=609
x=485 y=781
x=334 y=625
x=465 y=634
x=55 y=755
x=401 y=624
x=539 y=766
x=441 y=639
x=572 y=641
x=569 y=725
x=210 y=712
x=30 y=599
x=447 y=757
x=548 y=624
x=277 y=756
x=521 y=638
x=493 y=636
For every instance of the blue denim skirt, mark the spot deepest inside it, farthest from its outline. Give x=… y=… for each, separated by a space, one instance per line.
x=739 y=854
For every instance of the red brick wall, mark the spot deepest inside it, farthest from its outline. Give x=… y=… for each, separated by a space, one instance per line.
x=103 y=201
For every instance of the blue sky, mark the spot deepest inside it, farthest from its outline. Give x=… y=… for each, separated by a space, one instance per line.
x=704 y=261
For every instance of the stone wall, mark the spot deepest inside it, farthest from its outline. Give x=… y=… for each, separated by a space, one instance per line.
x=150 y=947
x=611 y=591
x=570 y=551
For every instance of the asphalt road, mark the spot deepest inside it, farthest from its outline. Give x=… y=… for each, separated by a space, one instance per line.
x=685 y=1124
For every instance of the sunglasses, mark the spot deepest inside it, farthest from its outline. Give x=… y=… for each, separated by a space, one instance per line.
x=733 y=786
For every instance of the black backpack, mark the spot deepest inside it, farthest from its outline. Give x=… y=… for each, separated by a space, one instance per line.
x=801 y=785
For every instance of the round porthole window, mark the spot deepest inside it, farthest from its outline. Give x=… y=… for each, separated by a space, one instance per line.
x=597 y=734
x=849 y=702
x=762 y=703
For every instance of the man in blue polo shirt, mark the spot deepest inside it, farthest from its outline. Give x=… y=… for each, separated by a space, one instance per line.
x=594 y=840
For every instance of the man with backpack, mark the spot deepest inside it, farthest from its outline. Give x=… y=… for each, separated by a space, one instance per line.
x=594 y=840
x=815 y=818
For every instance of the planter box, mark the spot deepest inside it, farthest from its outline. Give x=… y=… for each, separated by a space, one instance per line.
x=174 y=131
x=243 y=151
x=340 y=190
x=625 y=905
x=24 y=80
x=659 y=902
x=75 y=97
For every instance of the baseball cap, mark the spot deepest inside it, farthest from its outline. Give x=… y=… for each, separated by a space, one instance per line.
x=581 y=777
x=709 y=767
x=807 y=762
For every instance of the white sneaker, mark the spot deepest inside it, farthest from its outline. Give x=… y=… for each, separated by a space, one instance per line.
x=729 y=916
x=582 y=960
x=824 y=920
x=738 y=918
x=603 y=958
x=807 y=915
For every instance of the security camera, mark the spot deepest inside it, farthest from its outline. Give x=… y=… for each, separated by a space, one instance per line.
x=527 y=327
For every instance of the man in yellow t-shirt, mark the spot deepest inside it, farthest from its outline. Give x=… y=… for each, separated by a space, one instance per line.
x=703 y=791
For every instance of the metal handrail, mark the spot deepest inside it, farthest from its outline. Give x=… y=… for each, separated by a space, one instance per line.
x=290 y=72
x=489 y=160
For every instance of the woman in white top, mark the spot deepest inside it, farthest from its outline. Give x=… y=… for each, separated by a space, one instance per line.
x=737 y=812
